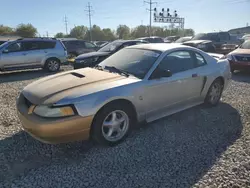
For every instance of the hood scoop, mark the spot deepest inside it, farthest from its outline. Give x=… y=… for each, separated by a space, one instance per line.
x=77 y=75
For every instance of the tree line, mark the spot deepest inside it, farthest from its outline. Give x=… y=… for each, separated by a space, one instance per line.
x=106 y=34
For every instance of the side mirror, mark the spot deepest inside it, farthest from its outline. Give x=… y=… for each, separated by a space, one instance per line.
x=237 y=46
x=5 y=51
x=161 y=73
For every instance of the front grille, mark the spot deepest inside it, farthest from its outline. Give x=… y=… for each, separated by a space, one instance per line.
x=27 y=102
x=242 y=58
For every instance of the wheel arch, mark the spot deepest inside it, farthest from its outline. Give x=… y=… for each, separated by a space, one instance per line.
x=120 y=101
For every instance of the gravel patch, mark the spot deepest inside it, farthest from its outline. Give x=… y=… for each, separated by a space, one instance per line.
x=199 y=147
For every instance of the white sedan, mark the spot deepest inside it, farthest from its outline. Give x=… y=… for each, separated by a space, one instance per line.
x=138 y=83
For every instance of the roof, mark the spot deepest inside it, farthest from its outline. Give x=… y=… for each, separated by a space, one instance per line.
x=160 y=46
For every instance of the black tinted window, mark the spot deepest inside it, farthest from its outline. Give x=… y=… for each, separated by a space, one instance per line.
x=224 y=36
x=47 y=44
x=31 y=45
x=177 y=62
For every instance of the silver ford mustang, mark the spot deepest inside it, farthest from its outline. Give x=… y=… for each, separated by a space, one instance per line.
x=139 y=83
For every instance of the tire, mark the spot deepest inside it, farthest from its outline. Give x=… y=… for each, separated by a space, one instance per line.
x=214 y=93
x=106 y=125
x=52 y=65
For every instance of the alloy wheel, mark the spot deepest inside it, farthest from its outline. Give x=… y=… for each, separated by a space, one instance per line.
x=115 y=125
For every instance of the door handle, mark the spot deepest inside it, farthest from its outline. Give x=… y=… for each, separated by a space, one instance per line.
x=194 y=75
x=24 y=53
x=45 y=52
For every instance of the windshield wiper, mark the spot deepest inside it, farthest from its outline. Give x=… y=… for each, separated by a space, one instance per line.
x=119 y=71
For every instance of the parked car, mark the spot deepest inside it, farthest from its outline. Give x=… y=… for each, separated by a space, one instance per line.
x=183 y=39
x=136 y=84
x=94 y=58
x=77 y=47
x=30 y=53
x=246 y=37
x=171 y=39
x=153 y=39
x=240 y=58
x=213 y=42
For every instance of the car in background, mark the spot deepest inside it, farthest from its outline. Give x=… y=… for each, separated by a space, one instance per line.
x=28 y=53
x=153 y=39
x=94 y=58
x=171 y=39
x=77 y=47
x=216 y=42
x=183 y=39
x=140 y=83
x=239 y=59
x=2 y=41
x=246 y=37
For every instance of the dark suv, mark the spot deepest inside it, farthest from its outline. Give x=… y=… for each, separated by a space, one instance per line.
x=77 y=47
x=216 y=42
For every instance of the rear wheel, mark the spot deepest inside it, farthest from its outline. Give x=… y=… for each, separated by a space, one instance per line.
x=214 y=93
x=112 y=124
x=52 y=65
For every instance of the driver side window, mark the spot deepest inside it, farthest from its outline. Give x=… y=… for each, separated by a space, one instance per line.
x=177 y=61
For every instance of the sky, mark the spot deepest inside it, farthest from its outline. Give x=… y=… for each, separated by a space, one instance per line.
x=48 y=15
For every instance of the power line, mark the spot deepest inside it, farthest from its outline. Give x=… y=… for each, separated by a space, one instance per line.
x=150 y=14
x=66 y=24
x=89 y=12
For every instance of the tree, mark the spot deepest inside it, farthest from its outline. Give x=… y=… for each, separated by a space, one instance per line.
x=139 y=31
x=6 y=30
x=26 y=30
x=78 y=32
x=123 y=32
x=108 y=34
x=60 y=35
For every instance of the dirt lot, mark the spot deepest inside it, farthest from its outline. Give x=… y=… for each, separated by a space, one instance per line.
x=200 y=147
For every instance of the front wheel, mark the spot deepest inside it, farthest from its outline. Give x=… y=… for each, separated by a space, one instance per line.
x=214 y=93
x=112 y=125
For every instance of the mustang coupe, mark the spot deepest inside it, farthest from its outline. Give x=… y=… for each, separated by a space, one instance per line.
x=138 y=83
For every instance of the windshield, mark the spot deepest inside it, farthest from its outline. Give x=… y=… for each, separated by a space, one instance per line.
x=245 y=45
x=133 y=61
x=110 y=47
x=183 y=39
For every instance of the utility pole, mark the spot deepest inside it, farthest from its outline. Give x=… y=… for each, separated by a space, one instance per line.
x=66 y=24
x=150 y=2
x=89 y=12
x=47 y=34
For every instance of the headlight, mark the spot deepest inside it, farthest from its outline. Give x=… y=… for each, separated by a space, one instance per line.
x=89 y=60
x=202 y=46
x=230 y=57
x=46 y=111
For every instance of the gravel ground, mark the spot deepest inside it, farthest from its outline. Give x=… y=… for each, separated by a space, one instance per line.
x=199 y=147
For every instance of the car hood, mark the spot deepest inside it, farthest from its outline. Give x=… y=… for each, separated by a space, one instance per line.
x=73 y=84
x=241 y=51
x=197 y=42
x=92 y=54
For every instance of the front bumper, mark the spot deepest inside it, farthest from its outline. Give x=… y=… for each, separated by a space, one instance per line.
x=54 y=130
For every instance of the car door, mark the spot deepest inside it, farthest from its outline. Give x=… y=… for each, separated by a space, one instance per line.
x=184 y=85
x=13 y=55
x=34 y=53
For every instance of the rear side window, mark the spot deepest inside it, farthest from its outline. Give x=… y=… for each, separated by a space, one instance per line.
x=200 y=61
x=30 y=45
x=15 y=47
x=47 y=44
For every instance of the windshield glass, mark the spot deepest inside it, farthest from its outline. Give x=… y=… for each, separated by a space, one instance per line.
x=183 y=39
x=110 y=47
x=245 y=45
x=133 y=61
